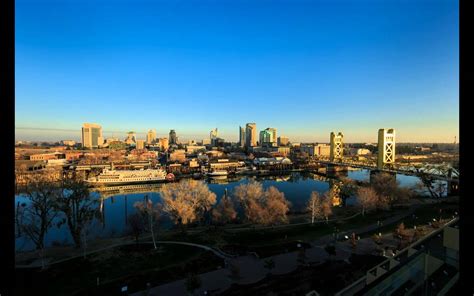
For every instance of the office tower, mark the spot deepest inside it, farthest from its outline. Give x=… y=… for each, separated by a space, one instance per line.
x=274 y=134
x=283 y=141
x=241 y=136
x=131 y=138
x=92 y=135
x=151 y=136
x=172 y=138
x=251 y=135
x=266 y=136
x=140 y=144
x=213 y=134
x=164 y=143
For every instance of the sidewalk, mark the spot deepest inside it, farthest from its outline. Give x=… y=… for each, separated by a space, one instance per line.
x=252 y=269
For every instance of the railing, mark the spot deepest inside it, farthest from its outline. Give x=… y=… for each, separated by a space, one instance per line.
x=357 y=285
x=397 y=168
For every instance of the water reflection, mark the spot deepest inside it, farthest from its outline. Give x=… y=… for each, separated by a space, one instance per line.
x=116 y=202
x=335 y=193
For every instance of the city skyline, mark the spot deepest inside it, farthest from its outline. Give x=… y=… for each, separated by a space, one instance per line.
x=305 y=68
x=160 y=133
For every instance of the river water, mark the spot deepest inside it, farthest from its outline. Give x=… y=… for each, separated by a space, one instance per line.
x=117 y=202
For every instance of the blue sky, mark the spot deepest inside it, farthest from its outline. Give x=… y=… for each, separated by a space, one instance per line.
x=304 y=67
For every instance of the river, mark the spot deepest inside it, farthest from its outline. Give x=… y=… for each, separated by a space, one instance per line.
x=118 y=202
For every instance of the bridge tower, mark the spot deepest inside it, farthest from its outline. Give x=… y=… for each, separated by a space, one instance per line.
x=337 y=146
x=386 y=148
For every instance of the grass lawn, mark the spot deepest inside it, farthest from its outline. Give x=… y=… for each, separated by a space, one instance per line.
x=127 y=265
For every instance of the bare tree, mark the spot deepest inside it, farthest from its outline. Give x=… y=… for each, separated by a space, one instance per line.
x=348 y=187
x=248 y=195
x=400 y=233
x=187 y=201
x=262 y=207
x=39 y=212
x=314 y=206
x=326 y=207
x=353 y=241
x=387 y=185
x=276 y=205
x=151 y=213
x=225 y=211
x=136 y=225
x=319 y=206
x=78 y=206
x=367 y=199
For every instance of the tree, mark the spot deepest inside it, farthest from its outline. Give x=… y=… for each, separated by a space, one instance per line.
x=367 y=199
x=385 y=184
x=192 y=283
x=39 y=212
x=248 y=195
x=269 y=264
x=136 y=225
x=150 y=213
x=348 y=188
x=314 y=206
x=225 y=211
x=319 y=206
x=401 y=233
x=353 y=241
x=37 y=216
x=78 y=206
x=326 y=207
x=19 y=213
x=262 y=207
x=187 y=201
x=277 y=206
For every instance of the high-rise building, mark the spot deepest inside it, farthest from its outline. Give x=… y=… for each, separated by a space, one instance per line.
x=92 y=135
x=164 y=143
x=151 y=136
x=140 y=144
x=283 y=141
x=251 y=135
x=131 y=138
x=173 y=139
x=213 y=134
x=274 y=134
x=241 y=136
x=266 y=136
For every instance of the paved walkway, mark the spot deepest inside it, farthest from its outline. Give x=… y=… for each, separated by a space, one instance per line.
x=47 y=261
x=252 y=269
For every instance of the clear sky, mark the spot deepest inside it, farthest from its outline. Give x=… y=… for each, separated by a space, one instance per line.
x=304 y=67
